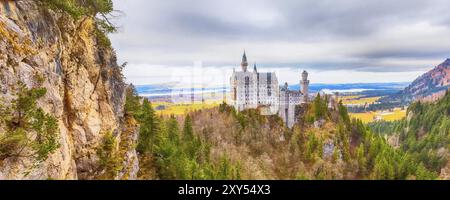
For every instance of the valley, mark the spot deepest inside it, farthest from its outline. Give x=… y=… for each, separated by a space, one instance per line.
x=354 y=96
x=183 y=108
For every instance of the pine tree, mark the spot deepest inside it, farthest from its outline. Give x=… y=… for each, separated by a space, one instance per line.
x=173 y=130
x=132 y=105
x=343 y=141
x=109 y=161
x=22 y=118
x=318 y=107
x=344 y=114
x=361 y=157
x=188 y=132
x=168 y=153
x=423 y=174
x=149 y=127
x=225 y=169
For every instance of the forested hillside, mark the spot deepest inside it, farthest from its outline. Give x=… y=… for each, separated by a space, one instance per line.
x=424 y=134
x=221 y=143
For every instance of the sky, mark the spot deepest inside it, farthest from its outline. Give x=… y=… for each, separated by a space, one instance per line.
x=345 y=41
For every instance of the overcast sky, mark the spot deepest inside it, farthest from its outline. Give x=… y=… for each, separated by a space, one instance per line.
x=337 y=41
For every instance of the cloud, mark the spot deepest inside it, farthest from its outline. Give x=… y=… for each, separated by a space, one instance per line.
x=361 y=36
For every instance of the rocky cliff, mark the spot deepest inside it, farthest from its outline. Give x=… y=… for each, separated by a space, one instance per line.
x=85 y=90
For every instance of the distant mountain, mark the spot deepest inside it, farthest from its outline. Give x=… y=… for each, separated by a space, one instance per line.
x=428 y=87
x=316 y=87
x=431 y=84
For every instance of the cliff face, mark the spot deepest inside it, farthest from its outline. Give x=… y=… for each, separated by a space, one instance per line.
x=85 y=90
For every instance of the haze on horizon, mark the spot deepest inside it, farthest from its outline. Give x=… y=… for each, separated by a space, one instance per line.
x=344 y=41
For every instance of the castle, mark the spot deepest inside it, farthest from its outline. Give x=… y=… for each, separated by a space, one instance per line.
x=260 y=90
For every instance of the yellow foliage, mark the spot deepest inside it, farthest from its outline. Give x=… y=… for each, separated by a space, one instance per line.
x=396 y=115
x=358 y=100
x=182 y=108
x=368 y=117
x=364 y=117
x=19 y=47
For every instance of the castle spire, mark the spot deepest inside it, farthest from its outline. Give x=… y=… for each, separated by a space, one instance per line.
x=244 y=63
x=254 y=68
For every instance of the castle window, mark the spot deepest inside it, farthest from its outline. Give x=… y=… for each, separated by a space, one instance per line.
x=247 y=84
x=269 y=83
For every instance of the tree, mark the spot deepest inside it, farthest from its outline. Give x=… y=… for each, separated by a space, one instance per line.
x=173 y=130
x=168 y=159
x=312 y=148
x=361 y=157
x=188 y=132
x=319 y=110
x=344 y=114
x=70 y=7
x=193 y=144
x=423 y=174
x=132 y=101
x=109 y=161
x=149 y=127
x=30 y=132
x=227 y=170
x=175 y=159
x=343 y=141
x=99 y=10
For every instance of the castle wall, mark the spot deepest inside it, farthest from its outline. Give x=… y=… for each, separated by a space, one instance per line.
x=250 y=90
x=288 y=101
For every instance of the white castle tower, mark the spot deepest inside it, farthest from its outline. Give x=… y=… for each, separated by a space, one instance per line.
x=252 y=89
x=304 y=83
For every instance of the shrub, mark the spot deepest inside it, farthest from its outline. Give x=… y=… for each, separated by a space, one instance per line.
x=109 y=161
x=100 y=10
x=29 y=131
